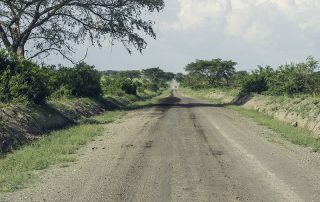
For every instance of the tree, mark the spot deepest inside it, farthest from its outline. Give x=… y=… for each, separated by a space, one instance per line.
x=43 y=26
x=179 y=77
x=238 y=78
x=215 y=72
x=168 y=76
x=130 y=74
x=155 y=75
x=193 y=81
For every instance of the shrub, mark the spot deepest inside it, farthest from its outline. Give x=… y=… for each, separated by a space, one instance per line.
x=81 y=81
x=152 y=87
x=116 y=85
x=295 y=78
x=257 y=81
x=86 y=81
x=129 y=87
x=21 y=80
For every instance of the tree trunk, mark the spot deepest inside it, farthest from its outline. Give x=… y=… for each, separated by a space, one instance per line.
x=20 y=51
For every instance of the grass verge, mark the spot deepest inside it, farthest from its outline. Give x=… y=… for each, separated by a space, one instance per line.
x=17 y=168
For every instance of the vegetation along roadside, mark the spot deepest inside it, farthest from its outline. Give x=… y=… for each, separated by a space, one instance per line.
x=48 y=112
x=285 y=99
x=58 y=147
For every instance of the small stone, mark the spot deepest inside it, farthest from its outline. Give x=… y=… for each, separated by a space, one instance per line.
x=295 y=124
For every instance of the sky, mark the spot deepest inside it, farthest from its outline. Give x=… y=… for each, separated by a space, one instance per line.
x=249 y=32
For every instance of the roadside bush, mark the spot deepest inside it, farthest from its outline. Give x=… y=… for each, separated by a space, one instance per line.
x=62 y=92
x=257 y=81
x=295 y=78
x=116 y=85
x=24 y=81
x=21 y=80
x=109 y=85
x=128 y=87
x=238 y=79
x=86 y=81
x=81 y=81
x=152 y=87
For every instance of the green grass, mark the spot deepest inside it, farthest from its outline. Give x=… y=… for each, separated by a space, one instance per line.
x=59 y=147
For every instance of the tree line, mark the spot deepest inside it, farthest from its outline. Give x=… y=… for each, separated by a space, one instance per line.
x=23 y=81
x=288 y=79
x=144 y=83
x=37 y=28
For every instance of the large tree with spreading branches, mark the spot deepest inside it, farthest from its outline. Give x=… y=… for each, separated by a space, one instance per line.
x=32 y=28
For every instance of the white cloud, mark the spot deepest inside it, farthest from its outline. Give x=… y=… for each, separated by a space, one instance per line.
x=195 y=13
x=251 y=20
x=250 y=32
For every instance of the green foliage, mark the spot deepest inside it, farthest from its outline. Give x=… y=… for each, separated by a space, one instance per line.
x=212 y=73
x=150 y=86
x=134 y=82
x=21 y=80
x=129 y=87
x=130 y=74
x=24 y=81
x=257 y=81
x=86 y=81
x=153 y=74
x=41 y=27
x=295 y=78
x=116 y=85
x=289 y=79
x=179 y=77
x=238 y=78
x=157 y=76
x=194 y=81
x=81 y=81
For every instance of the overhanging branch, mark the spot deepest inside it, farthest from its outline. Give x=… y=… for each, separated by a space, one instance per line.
x=4 y=38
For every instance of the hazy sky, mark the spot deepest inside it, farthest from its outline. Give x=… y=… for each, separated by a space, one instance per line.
x=250 y=32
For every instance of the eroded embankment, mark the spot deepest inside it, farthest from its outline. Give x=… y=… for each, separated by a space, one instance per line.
x=21 y=124
x=300 y=111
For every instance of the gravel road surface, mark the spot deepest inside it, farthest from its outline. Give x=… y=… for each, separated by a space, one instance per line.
x=182 y=150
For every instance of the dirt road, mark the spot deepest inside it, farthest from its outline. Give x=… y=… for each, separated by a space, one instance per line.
x=184 y=150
